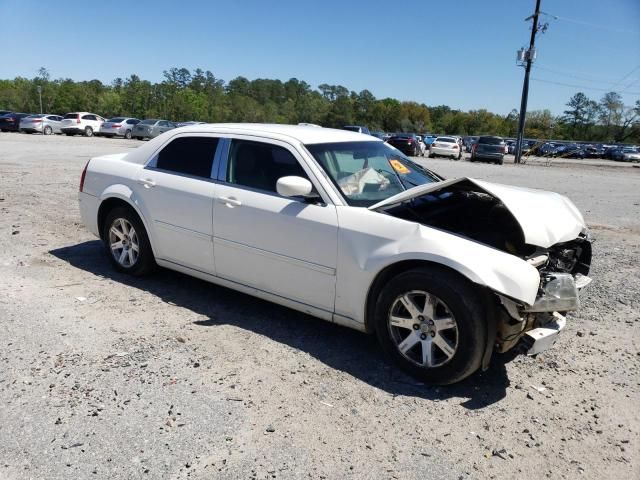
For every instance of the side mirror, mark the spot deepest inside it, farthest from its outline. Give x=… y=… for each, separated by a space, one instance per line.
x=293 y=186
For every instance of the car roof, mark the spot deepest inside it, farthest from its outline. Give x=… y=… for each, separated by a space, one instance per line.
x=307 y=135
x=302 y=133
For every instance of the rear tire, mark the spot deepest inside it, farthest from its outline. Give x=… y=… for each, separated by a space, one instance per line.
x=126 y=242
x=88 y=132
x=441 y=344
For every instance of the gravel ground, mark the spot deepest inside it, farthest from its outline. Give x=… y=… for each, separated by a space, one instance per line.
x=106 y=376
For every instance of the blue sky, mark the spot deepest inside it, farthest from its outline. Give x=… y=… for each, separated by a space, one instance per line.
x=455 y=52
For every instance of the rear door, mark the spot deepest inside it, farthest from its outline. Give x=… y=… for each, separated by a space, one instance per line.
x=177 y=194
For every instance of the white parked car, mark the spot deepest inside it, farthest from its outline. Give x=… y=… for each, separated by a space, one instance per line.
x=118 y=127
x=445 y=147
x=344 y=227
x=84 y=123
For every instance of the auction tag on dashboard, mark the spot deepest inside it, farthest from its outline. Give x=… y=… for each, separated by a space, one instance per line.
x=399 y=167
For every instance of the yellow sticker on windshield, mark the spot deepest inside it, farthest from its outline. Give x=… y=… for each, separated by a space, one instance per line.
x=399 y=167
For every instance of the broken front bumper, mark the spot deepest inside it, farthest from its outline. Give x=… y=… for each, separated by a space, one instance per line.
x=536 y=327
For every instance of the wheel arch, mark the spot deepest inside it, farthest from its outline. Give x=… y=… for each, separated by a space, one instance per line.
x=485 y=294
x=120 y=196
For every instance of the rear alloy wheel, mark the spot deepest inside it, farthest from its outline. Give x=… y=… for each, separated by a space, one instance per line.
x=127 y=242
x=88 y=132
x=431 y=323
x=48 y=130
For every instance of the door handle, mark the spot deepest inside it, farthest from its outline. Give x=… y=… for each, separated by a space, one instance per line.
x=147 y=182
x=230 y=201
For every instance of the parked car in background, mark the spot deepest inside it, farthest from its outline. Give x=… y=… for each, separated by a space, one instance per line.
x=10 y=122
x=357 y=128
x=118 y=127
x=407 y=143
x=84 y=123
x=446 y=147
x=151 y=128
x=423 y=147
x=380 y=135
x=346 y=228
x=41 y=123
x=489 y=148
x=4 y=112
x=630 y=154
x=428 y=140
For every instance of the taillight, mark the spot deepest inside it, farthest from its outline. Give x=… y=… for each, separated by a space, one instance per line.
x=474 y=147
x=455 y=147
x=11 y=119
x=36 y=120
x=506 y=149
x=115 y=126
x=78 y=119
x=82 y=177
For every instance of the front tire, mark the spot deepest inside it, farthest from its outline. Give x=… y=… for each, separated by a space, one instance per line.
x=48 y=130
x=127 y=242
x=127 y=134
x=431 y=322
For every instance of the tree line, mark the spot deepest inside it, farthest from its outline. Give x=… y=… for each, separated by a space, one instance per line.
x=198 y=95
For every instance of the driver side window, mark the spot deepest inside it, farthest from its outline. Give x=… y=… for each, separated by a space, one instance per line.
x=259 y=165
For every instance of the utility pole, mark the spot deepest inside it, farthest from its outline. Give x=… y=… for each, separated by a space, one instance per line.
x=529 y=56
x=40 y=96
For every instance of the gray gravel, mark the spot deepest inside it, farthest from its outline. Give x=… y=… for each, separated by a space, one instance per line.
x=106 y=376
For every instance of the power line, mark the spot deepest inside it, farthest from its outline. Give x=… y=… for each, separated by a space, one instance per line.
x=582 y=87
x=579 y=77
x=628 y=75
x=593 y=25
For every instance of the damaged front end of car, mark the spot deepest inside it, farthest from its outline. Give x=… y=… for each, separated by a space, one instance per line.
x=543 y=229
x=563 y=274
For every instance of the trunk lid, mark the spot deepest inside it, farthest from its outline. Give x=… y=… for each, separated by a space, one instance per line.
x=546 y=218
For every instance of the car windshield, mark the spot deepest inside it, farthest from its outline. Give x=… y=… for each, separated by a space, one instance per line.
x=369 y=172
x=117 y=119
x=446 y=139
x=150 y=121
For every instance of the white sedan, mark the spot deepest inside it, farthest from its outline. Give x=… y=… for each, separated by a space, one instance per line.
x=446 y=147
x=346 y=228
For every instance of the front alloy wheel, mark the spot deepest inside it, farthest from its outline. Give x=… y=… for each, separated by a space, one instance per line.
x=431 y=321
x=423 y=329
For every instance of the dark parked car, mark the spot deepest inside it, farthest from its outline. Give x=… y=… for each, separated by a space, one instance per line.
x=407 y=143
x=489 y=148
x=10 y=122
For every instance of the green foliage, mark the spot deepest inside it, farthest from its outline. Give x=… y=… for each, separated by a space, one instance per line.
x=199 y=95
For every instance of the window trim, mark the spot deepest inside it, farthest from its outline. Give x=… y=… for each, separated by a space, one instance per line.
x=221 y=171
x=152 y=163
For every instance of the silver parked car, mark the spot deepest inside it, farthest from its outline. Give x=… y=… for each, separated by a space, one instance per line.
x=118 y=127
x=151 y=128
x=41 y=123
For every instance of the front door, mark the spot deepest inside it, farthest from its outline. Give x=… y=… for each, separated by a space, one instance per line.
x=285 y=246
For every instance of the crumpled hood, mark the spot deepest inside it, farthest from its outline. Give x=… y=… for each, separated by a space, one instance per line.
x=546 y=218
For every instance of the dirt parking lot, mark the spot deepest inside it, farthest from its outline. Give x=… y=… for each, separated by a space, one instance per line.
x=106 y=376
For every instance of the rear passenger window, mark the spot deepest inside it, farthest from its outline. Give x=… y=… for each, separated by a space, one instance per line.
x=189 y=156
x=133 y=121
x=89 y=117
x=260 y=165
